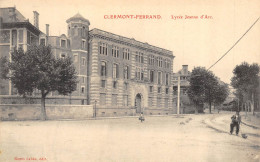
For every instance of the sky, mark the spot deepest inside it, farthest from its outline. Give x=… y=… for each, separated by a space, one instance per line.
x=194 y=42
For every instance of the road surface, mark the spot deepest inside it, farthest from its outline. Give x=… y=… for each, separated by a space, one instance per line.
x=182 y=138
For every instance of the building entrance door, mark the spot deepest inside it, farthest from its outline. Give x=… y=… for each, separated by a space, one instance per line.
x=138 y=101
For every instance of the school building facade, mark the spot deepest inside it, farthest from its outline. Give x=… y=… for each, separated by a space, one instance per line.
x=116 y=74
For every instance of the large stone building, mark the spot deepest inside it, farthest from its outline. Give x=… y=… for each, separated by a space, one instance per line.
x=119 y=75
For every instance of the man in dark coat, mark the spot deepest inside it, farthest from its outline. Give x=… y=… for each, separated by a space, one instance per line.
x=236 y=120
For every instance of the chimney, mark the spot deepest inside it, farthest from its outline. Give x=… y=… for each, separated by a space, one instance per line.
x=185 y=69
x=36 y=19
x=47 y=29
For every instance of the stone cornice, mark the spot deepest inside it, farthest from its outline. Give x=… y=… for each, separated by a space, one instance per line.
x=97 y=33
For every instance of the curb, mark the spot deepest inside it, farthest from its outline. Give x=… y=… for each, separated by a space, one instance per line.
x=250 y=125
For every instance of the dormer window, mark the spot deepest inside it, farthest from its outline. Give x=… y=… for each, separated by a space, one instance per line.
x=63 y=43
x=42 y=41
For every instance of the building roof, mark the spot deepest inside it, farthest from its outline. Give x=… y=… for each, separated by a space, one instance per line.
x=11 y=14
x=78 y=17
x=130 y=41
x=11 y=18
x=27 y=25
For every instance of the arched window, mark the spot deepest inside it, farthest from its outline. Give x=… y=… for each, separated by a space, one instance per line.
x=103 y=68
x=83 y=31
x=126 y=72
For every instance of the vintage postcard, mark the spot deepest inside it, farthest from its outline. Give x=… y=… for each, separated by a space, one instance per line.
x=129 y=81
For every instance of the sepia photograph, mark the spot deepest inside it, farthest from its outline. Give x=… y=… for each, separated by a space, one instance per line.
x=130 y=81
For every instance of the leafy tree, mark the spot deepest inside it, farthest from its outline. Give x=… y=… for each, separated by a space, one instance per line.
x=205 y=87
x=196 y=90
x=221 y=93
x=246 y=81
x=38 y=69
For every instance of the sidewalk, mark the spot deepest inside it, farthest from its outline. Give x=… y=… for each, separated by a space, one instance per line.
x=251 y=120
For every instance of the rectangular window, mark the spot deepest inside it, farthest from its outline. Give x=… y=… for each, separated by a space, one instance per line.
x=114 y=99
x=159 y=77
x=136 y=57
x=103 y=83
x=83 y=61
x=115 y=51
x=42 y=41
x=28 y=37
x=14 y=37
x=151 y=76
x=103 y=49
x=5 y=36
x=139 y=57
x=115 y=84
x=75 y=57
x=159 y=61
x=175 y=91
x=126 y=72
x=63 y=43
x=115 y=71
x=142 y=57
x=166 y=79
x=166 y=90
x=83 y=79
x=142 y=75
x=20 y=36
x=68 y=43
x=103 y=69
x=126 y=54
x=151 y=88
x=102 y=99
x=159 y=89
x=167 y=63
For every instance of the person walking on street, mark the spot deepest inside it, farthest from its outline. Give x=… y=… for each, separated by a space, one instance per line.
x=236 y=120
x=141 y=118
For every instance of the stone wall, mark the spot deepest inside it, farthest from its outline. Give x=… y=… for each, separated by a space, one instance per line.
x=64 y=100
x=54 y=112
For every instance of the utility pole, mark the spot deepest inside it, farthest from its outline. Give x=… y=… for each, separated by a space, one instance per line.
x=95 y=111
x=178 y=100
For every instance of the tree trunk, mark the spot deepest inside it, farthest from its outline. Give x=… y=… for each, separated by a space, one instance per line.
x=43 y=111
x=253 y=104
x=210 y=107
x=196 y=109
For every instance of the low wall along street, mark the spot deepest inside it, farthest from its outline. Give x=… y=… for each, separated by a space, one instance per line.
x=53 y=112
